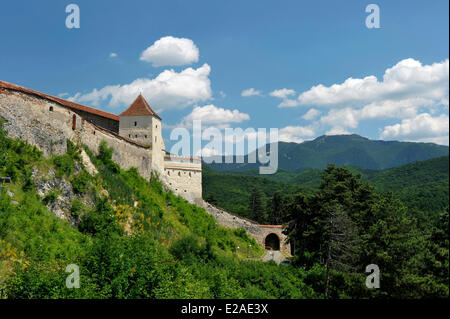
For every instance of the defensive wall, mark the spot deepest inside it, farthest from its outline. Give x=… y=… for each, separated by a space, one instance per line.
x=263 y=234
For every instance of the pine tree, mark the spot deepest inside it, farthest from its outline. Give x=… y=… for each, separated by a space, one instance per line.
x=256 y=203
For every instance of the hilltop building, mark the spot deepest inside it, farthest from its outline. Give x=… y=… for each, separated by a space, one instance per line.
x=136 y=134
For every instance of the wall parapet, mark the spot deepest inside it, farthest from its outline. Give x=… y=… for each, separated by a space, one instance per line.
x=254 y=229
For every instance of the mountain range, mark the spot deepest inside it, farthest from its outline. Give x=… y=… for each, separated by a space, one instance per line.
x=349 y=150
x=417 y=172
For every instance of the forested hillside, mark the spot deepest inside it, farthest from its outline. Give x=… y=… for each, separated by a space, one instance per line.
x=420 y=185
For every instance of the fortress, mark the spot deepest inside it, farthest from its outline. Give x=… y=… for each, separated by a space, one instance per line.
x=136 y=137
x=47 y=122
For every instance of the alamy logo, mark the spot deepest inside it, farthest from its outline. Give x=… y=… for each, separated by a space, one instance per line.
x=229 y=147
x=73 y=280
x=373 y=280
x=73 y=19
x=373 y=19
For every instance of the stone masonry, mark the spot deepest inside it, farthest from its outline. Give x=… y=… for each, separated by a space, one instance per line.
x=259 y=232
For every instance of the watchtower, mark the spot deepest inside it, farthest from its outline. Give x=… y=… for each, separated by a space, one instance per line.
x=141 y=124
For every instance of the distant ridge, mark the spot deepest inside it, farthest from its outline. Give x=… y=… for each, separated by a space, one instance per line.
x=350 y=150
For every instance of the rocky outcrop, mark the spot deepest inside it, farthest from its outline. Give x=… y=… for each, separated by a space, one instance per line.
x=61 y=206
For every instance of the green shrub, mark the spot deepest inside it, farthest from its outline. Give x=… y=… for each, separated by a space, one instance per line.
x=80 y=182
x=50 y=197
x=102 y=219
x=189 y=249
x=77 y=207
x=74 y=151
x=64 y=164
x=27 y=179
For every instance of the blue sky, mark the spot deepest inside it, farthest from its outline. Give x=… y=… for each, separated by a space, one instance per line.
x=305 y=47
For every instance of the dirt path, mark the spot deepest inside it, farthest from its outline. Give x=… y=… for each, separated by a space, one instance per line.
x=274 y=255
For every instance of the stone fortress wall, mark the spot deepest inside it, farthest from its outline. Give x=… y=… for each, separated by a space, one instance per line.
x=184 y=175
x=48 y=125
x=259 y=232
x=47 y=122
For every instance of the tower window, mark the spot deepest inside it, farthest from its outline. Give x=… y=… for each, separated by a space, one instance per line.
x=74 y=122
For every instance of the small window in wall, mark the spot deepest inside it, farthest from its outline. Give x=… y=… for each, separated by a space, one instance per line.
x=51 y=109
x=168 y=173
x=179 y=174
x=190 y=174
x=156 y=138
x=94 y=132
x=129 y=135
x=135 y=136
x=135 y=123
x=74 y=122
x=145 y=136
x=156 y=125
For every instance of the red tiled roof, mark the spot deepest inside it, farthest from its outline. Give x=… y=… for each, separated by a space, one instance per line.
x=272 y=226
x=191 y=158
x=139 y=107
x=69 y=104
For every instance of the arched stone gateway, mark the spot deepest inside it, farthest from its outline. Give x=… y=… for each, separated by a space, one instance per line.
x=263 y=234
x=271 y=237
x=272 y=242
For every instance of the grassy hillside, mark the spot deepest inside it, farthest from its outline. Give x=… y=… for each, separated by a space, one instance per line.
x=349 y=150
x=127 y=242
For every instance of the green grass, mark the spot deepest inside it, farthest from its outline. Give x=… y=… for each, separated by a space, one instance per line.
x=147 y=250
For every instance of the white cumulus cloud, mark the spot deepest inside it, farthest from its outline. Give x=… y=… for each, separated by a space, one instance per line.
x=311 y=114
x=250 y=92
x=295 y=133
x=388 y=109
x=422 y=127
x=213 y=115
x=282 y=93
x=337 y=130
x=347 y=117
x=169 y=90
x=171 y=51
x=407 y=79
